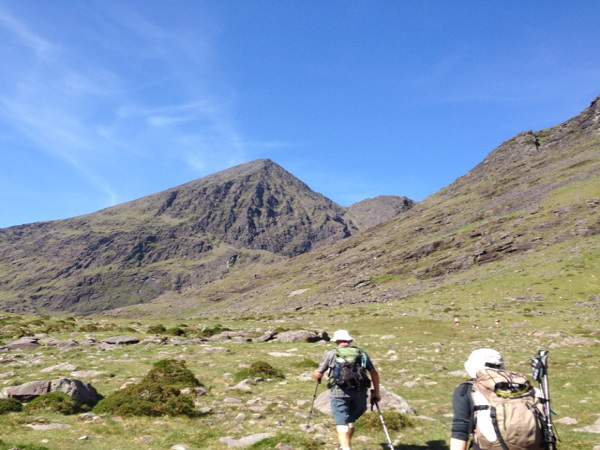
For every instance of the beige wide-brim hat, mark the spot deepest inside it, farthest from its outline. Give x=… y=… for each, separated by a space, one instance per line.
x=342 y=335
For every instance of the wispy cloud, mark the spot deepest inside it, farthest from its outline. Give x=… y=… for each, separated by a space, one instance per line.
x=26 y=37
x=96 y=109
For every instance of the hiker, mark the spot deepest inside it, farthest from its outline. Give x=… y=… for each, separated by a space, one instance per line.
x=496 y=409
x=347 y=368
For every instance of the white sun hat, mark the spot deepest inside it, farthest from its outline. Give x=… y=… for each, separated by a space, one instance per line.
x=342 y=335
x=481 y=358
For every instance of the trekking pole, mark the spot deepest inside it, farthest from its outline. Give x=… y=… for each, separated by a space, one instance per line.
x=385 y=430
x=312 y=405
x=540 y=374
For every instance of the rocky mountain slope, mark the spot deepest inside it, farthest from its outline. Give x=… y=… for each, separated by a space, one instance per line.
x=190 y=235
x=374 y=211
x=531 y=200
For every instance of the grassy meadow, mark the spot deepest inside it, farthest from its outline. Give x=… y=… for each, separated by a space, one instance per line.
x=544 y=300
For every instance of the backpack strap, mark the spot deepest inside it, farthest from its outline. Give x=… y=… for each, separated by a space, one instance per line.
x=497 y=429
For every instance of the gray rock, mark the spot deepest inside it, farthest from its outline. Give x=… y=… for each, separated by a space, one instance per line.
x=282 y=446
x=267 y=336
x=87 y=373
x=48 y=426
x=305 y=376
x=243 y=386
x=281 y=355
x=24 y=343
x=81 y=392
x=389 y=401
x=216 y=350
x=195 y=391
x=121 y=340
x=567 y=421
x=594 y=428
x=246 y=441
x=233 y=336
x=298 y=336
x=28 y=391
x=64 y=367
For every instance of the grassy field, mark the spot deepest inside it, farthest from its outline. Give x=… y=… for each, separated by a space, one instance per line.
x=413 y=343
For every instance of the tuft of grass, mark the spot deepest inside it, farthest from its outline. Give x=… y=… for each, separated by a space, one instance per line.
x=176 y=331
x=259 y=369
x=156 y=329
x=9 y=405
x=394 y=420
x=6 y=446
x=306 y=364
x=58 y=402
x=289 y=439
x=158 y=394
x=147 y=399
x=211 y=331
x=170 y=372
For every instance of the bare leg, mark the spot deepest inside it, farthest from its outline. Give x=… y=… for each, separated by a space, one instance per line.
x=344 y=436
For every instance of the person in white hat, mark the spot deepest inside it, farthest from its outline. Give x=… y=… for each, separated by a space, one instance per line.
x=348 y=369
x=462 y=401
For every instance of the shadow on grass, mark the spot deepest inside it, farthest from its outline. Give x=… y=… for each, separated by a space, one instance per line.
x=430 y=445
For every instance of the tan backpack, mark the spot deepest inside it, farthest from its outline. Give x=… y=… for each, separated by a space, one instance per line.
x=507 y=413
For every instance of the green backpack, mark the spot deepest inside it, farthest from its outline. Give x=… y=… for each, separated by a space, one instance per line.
x=349 y=370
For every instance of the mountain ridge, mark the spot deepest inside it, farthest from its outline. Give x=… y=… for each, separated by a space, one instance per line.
x=192 y=233
x=531 y=195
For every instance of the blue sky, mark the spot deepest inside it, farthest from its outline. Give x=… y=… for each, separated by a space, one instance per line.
x=103 y=102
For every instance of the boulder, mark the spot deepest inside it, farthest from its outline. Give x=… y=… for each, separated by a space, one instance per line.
x=28 y=391
x=300 y=336
x=26 y=342
x=232 y=336
x=594 y=428
x=87 y=373
x=48 y=426
x=389 y=402
x=121 y=340
x=64 y=367
x=80 y=392
x=245 y=441
x=567 y=421
x=267 y=336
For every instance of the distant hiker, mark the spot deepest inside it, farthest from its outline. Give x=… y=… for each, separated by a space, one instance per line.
x=496 y=409
x=456 y=322
x=497 y=323
x=348 y=368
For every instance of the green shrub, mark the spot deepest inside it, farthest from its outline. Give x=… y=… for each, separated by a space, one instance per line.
x=156 y=329
x=157 y=394
x=394 y=420
x=176 y=331
x=170 y=372
x=211 y=331
x=306 y=364
x=88 y=328
x=6 y=446
x=9 y=405
x=147 y=399
x=259 y=369
x=59 y=326
x=55 y=402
